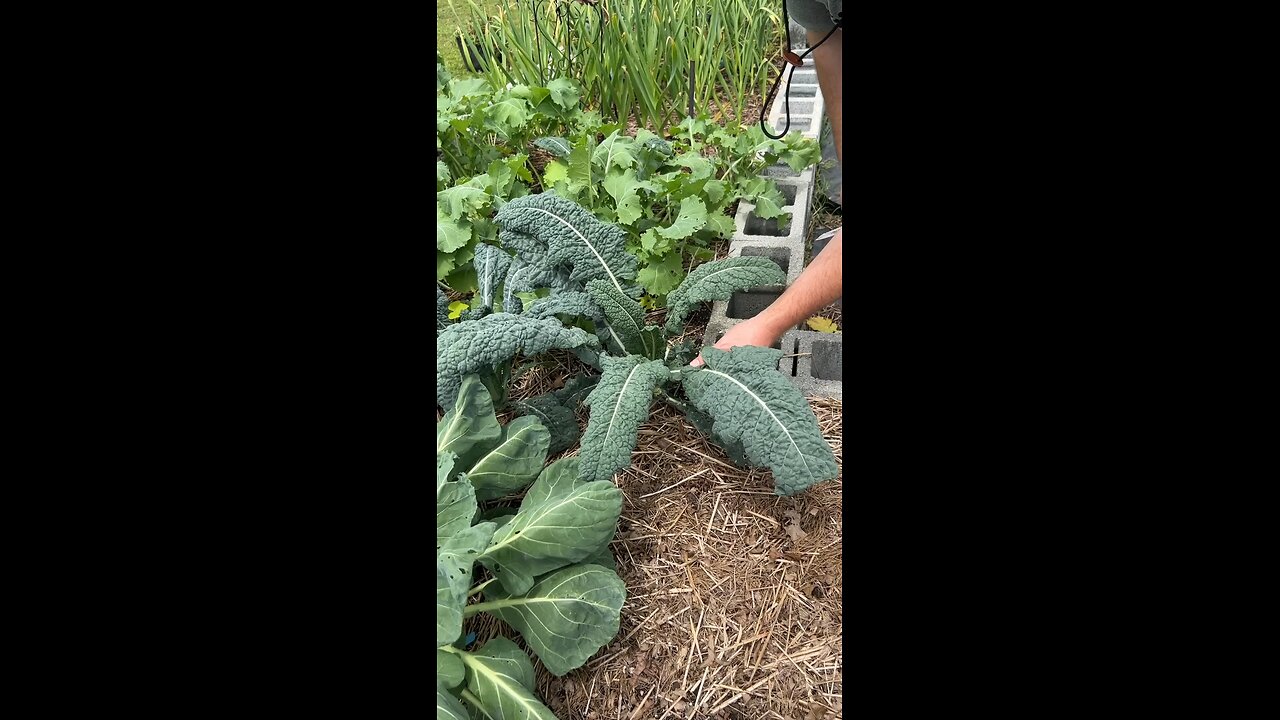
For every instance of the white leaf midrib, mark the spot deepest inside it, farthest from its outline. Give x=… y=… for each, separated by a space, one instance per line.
x=764 y=405
x=586 y=242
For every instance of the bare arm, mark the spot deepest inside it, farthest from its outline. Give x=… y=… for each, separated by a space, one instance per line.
x=821 y=282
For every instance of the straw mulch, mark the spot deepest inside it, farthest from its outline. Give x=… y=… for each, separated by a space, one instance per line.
x=733 y=594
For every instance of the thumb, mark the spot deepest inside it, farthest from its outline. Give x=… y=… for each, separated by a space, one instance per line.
x=697 y=362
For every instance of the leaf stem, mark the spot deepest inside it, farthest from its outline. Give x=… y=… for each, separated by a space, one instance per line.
x=477 y=589
x=477 y=608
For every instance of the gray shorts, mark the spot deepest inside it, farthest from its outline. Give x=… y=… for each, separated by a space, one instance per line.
x=815 y=15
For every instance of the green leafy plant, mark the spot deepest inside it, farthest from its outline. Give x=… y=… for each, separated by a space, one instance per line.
x=738 y=398
x=552 y=577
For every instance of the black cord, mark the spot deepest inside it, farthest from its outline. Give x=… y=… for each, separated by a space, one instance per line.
x=786 y=97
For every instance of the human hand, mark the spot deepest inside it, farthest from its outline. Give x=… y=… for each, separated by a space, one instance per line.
x=747 y=332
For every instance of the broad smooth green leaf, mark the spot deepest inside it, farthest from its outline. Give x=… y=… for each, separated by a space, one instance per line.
x=561 y=521
x=508 y=116
x=567 y=616
x=554 y=172
x=457 y=200
x=614 y=151
x=444 y=470
x=661 y=277
x=580 y=167
x=604 y=558
x=471 y=428
x=619 y=406
x=501 y=678
x=752 y=403
x=455 y=509
x=454 y=561
x=451 y=234
x=460 y=88
x=447 y=706
x=563 y=93
x=515 y=463
x=449 y=670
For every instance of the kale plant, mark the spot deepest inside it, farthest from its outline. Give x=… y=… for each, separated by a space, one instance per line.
x=738 y=397
x=553 y=577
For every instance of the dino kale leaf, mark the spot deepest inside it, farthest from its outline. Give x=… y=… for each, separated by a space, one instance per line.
x=442 y=311
x=568 y=302
x=718 y=280
x=753 y=404
x=561 y=521
x=625 y=321
x=560 y=421
x=567 y=616
x=491 y=266
x=571 y=235
x=619 y=404
x=479 y=346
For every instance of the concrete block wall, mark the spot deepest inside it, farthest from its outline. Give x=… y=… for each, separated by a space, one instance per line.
x=817 y=371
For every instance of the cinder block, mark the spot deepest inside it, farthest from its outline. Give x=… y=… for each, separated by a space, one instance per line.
x=803 y=90
x=819 y=365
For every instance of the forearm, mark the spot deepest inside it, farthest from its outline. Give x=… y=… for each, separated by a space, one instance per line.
x=828 y=60
x=817 y=287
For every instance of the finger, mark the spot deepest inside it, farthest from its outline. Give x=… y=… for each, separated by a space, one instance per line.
x=697 y=362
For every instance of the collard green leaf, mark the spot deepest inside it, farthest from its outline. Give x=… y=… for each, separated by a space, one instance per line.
x=501 y=678
x=619 y=405
x=449 y=670
x=566 y=302
x=455 y=509
x=471 y=428
x=559 y=420
x=447 y=706
x=444 y=470
x=603 y=558
x=572 y=236
x=752 y=403
x=515 y=463
x=566 y=616
x=491 y=267
x=692 y=217
x=561 y=521
x=719 y=280
x=624 y=317
x=454 y=561
x=474 y=346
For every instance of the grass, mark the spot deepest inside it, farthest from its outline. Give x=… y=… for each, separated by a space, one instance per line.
x=449 y=17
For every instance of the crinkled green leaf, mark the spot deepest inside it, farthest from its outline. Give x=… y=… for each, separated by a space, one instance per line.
x=576 y=389
x=454 y=561
x=561 y=521
x=563 y=93
x=443 y=176
x=572 y=236
x=513 y=464
x=449 y=670
x=698 y=165
x=525 y=276
x=491 y=265
x=507 y=116
x=566 y=302
x=560 y=421
x=624 y=317
x=619 y=406
x=456 y=201
x=660 y=278
x=501 y=678
x=471 y=428
x=693 y=215
x=752 y=403
x=722 y=225
x=719 y=280
x=442 y=311
x=472 y=347
x=566 y=616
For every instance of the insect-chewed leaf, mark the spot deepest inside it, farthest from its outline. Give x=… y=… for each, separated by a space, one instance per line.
x=471 y=428
x=719 y=280
x=693 y=215
x=491 y=266
x=475 y=346
x=513 y=464
x=619 y=405
x=501 y=678
x=573 y=236
x=752 y=403
x=454 y=561
x=566 y=616
x=561 y=521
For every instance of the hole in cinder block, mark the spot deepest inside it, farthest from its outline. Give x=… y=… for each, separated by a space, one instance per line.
x=780 y=170
x=750 y=303
x=803 y=90
x=801 y=108
x=799 y=124
x=788 y=193
x=826 y=359
x=776 y=254
x=759 y=226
